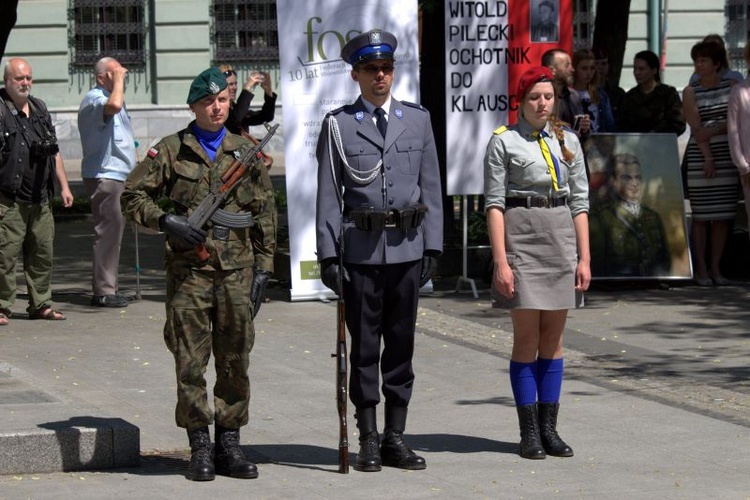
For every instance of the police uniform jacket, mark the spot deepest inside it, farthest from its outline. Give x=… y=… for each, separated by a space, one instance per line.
x=179 y=170
x=409 y=174
x=515 y=167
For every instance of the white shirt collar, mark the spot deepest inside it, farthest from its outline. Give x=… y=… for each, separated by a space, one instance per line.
x=370 y=107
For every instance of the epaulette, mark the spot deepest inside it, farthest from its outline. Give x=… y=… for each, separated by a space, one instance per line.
x=500 y=130
x=413 y=105
x=337 y=111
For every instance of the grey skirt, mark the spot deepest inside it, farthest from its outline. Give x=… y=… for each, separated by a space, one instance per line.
x=540 y=244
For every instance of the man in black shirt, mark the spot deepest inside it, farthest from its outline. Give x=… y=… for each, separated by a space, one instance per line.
x=29 y=157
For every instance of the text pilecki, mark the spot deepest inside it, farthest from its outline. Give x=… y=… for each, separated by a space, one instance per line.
x=480 y=33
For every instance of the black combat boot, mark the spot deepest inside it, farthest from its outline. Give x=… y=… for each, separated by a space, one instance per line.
x=393 y=451
x=368 y=458
x=201 y=466
x=230 y=461
x=551 y=441
x=531 y=440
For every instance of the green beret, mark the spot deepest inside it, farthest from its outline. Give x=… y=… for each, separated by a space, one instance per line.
x=209 y=82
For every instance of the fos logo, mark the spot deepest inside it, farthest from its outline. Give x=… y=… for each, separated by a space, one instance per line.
x=316 y=41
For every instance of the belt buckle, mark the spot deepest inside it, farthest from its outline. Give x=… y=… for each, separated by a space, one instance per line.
x=547 y=202
x=390 y=220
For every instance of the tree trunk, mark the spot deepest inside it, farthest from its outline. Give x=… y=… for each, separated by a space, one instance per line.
x=611 y=34
x=8 y=17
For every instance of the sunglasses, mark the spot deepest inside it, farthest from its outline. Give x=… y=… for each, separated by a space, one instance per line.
x=229 y=72
x=373 y=69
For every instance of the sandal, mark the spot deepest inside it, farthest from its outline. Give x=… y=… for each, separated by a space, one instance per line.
x=47 y=313
x=3 y=319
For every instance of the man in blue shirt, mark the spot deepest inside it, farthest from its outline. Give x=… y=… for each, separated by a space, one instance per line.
x=108 y=157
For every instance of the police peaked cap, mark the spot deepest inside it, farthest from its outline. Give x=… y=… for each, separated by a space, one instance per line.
x=369 y=46
x=209 y=82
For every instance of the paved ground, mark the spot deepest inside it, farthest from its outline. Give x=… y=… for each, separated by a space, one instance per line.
x=655 y=403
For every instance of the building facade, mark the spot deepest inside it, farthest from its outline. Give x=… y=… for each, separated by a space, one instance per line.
x=164 y=43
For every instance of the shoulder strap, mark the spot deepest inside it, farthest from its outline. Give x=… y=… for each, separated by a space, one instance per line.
x=500 y=130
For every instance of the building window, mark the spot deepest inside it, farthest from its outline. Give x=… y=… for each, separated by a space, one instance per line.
x=738 y=31
x=114 y=28
x=245 y=30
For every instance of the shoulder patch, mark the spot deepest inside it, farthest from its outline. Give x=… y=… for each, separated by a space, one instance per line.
x=152 y=153
x=500 y=130
x=413 y=105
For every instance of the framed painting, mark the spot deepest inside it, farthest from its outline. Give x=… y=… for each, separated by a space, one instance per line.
x=637 y=223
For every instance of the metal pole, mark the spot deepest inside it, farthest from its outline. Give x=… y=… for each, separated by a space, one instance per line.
x=464 y=278
x=654 y=26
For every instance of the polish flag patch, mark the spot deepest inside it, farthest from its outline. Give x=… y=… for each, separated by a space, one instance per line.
x=153 y=153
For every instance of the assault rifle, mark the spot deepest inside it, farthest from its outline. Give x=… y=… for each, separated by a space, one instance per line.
x=340 y=356
x=210 y=207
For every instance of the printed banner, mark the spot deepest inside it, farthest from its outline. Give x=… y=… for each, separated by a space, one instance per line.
x=314 y=81
x=488 y=45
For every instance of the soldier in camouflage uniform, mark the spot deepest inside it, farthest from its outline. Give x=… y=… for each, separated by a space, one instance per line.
x=210 y=304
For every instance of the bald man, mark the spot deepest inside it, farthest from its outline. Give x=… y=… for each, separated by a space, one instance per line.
x=29 y=158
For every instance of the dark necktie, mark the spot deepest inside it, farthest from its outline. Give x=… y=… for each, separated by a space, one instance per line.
x=380 y=120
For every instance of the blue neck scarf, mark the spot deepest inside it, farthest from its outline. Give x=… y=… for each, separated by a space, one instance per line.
x=210 y=141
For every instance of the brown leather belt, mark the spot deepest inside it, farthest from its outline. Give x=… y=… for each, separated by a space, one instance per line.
x=536 y=202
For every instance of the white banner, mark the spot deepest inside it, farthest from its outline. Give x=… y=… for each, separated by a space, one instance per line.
x=314 y=81
x=476 y=97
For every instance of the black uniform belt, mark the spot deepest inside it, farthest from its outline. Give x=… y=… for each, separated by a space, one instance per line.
x=535 y=202
x=371 y=219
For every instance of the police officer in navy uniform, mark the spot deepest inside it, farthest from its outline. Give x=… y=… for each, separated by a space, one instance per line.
x=379 y=204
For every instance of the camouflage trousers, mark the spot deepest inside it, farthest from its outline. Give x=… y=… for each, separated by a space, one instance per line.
x=209 y=311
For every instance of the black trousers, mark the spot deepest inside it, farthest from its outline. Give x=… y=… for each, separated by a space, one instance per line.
x=381 y=302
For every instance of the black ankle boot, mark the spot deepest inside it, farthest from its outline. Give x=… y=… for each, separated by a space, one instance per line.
x=230 y=461
x=551 y=441
x=531 y=440
x=393 y=450
x=368 y=458
x=201 y=466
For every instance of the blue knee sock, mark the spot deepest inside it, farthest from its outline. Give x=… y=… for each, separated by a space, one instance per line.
x=549 y=375
x=523 y=382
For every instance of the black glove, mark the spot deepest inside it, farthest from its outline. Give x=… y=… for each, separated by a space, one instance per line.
x=329 y=274
x=258 y=289
x=177 y=226
x=429 y=266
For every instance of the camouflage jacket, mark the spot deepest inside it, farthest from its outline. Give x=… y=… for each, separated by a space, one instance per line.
x=179 y=170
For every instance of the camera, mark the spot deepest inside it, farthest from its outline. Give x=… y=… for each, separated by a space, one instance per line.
x=577 y=122
x=46 y=147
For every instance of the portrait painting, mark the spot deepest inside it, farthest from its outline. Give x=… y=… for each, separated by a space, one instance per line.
x=637 y=225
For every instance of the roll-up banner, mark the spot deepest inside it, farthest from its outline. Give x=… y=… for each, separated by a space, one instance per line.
x=314 y=81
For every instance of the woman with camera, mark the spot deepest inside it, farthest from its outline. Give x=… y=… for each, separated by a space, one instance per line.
x=240 y=114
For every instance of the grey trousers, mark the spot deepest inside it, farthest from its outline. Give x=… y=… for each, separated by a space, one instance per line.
x=109 y=225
